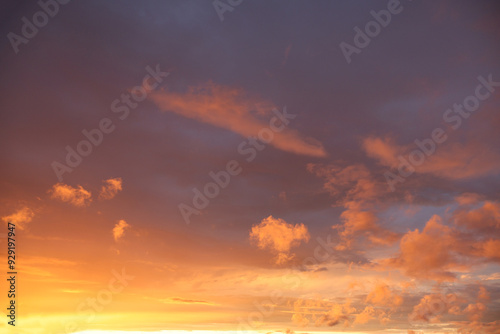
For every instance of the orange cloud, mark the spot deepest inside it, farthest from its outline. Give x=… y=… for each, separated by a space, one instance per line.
x=439 y=251
x=382 y=149
x=485 y=219
x=468 y=198
x=75 y=196
x=279 y=236
x=433 y=306
x=430 y=254
x=483 y=294
x=351 y=183
x=119 y=229
x=232 y=109
x=21 y=217
x=485 y=223
x=366 y=315
x=491 y=249
x=382 y=295
x=358 y=223
x=337 y=314
x=355 y=189
x=110 y=188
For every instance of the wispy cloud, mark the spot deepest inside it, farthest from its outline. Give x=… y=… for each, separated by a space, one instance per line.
x=234 y=110
x=21 y=217
x=452 y=161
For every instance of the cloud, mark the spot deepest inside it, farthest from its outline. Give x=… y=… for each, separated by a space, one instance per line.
x=357 y=223
x=320 y=312
x=366 y=315
x=353 y=183
x=232 y=109
x=439 y=250
x=75 y=196
x=382 y=149
x=484 y=222
x=279 y=236
x=451 y=160
x=433 y=253
x=21 y=217
x=119 y=229
x=382 y=295
x=485 y=219
x=483 y=294
x=189 y=301
x=382 y=302
x=468 y=198
x=433 y=306
x=110 y=188
x=475 y=311
x=490 y=249
x=354 y=188
x=337 y=314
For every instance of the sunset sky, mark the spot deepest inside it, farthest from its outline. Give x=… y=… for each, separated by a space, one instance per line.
x=244 y=167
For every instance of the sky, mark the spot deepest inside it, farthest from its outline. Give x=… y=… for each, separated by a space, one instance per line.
x=249 y=167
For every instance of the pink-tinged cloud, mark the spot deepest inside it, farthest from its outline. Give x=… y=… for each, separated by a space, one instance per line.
x=358 y=223
x=232 y=109
x=75 y=196
x=450 y=160
x=439 y=251
x=353 y=183
x=354 y=188
x=468 y=198
x=110 y=188
x=432 y=254
x=279 y=237
x=20 y=218
x=433 y=307
x=119 y=229
x=485 y=219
